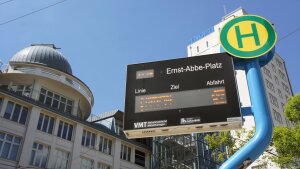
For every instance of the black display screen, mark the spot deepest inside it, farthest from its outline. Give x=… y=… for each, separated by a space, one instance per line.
x=197 y=90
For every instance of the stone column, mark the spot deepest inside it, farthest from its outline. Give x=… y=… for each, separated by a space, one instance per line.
x=75 y=157
x=29 y=137
x=116 y=155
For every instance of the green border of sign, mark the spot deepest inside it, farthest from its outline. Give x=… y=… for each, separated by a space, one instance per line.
x=272 y=37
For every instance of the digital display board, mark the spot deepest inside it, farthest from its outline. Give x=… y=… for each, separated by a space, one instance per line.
x=180 y=96
x=182 y=99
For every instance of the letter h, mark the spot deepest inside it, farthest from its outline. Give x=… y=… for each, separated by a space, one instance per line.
x=254 y=33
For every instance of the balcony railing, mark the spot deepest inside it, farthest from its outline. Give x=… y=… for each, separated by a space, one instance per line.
x=70 y=80
x=28 y=95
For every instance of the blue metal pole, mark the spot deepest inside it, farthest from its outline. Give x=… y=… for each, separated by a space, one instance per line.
x=263 y=123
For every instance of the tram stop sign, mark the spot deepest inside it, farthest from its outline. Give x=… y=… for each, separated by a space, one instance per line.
x=248 y=36
x=181 y=96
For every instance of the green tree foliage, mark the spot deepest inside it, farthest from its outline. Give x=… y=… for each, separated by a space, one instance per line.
x=216 y=140
x=286 y=139
x=292 y=109
x=225 y=138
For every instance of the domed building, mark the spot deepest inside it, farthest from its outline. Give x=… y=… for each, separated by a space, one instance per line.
x=46 y=122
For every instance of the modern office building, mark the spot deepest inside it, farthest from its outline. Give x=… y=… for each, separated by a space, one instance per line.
x=275 y=76
x=43 y=119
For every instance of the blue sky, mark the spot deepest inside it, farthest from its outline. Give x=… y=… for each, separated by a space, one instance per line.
x=100 y=37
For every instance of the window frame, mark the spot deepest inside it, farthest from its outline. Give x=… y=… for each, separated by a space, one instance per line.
x=64 y=103
x=41 y=128
x=13 y=142
x=44 y=150
x=85 y=165
x=20 y=114
x=105 y=145
x=139 y=155
x=64 y=127
x=88 y=139
x=66 y=163
x=125 y=155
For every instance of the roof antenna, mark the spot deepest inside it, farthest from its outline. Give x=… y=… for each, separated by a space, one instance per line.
x=225 y=10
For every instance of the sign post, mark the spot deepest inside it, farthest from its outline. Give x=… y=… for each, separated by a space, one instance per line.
x=251 y=39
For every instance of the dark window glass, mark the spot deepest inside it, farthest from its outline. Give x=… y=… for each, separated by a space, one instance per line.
x=45 y=125
x=48 y=101
x=129 y=153
x=51 y=125
x=43 y=91
x=14 y=151
x=42 y=98
x=63 y=100
x=109 y=146
x=8 y=110
x=1 y=100
x=69 y=109
x=59 y=129
x=50 y=94
x=93 y=139
x=24 y=115
x=16 y=113
x=62 y=107
x=5 y=150
x=65 y=130
x=83 y=137
x=70 y=132
x=139 y=158
x=39 y=126
x=88 y=139
x=55 y=104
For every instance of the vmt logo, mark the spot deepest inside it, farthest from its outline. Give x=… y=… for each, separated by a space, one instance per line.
x=140 y=125
x=248 y=36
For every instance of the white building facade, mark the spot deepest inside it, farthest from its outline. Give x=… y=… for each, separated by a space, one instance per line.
x=276 y=81
x=43 y=112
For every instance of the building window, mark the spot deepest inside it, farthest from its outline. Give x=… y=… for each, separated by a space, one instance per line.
x=102 y=166
x=270 y=85
x=9 y=146
x=56 y=101
x=273 y=100
x=198 y=49
x=140 y=158
x=88 y=139
x=39 y=155
x=273 y=67
x=46 y=123
x=24 y=90
x=279 y=64
x=267 y=72
x=1 y=101
x=285 y=88
x=61 y=160
x=86 y=163
x=65 y=130
x=277 y=116
x=16 y=112
x=276 y=80
x=119 y=128
x=282 y=106
x=105 y=145
x=125 y=152
x=286 y=97
x=279 y=93
x=207 y=44
x=282 y=75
